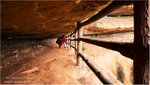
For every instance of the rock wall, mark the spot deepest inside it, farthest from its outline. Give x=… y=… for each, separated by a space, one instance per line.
x=109 y=25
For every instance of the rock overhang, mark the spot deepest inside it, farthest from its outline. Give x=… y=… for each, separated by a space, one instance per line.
x=45 y=19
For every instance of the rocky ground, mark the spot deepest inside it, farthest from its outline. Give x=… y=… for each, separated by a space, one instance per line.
x=46 y=64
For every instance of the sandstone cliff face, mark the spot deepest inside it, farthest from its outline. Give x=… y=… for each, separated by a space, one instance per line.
x=45 y=19
x=110 y=25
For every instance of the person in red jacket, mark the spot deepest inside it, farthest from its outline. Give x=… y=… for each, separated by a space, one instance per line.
x=63 y=42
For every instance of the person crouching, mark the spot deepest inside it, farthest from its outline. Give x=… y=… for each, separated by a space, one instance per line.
x=63 y=42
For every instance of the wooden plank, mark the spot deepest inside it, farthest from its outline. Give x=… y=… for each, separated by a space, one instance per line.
x=72 y=33
x=114 y=5
x=67 y=39
x=76 y=36
x=74 y=47
x=98 y=74
x=125 y=49
x=70 y=42
x=141 y=25
x=96 y=34
x=79 y=46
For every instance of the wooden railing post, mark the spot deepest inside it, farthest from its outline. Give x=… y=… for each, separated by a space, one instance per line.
x=67 y=38
x=141 y=36
x=79 y=46
x=70 y=42
x=76 y=36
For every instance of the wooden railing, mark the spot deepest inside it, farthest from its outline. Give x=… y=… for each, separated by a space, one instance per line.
x=79 y=38
x=78 y=51
x=138 y=51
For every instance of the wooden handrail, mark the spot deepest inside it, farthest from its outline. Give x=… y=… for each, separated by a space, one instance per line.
x=114 y=5
x=126 y=49
x=74 y=47
x=98 y=74
x=107 y=33
x=94 y=70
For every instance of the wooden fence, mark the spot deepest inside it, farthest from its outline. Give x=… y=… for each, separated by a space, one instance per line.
x=135 y=50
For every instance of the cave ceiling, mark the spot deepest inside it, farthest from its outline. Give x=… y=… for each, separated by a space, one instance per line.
x=45 y=19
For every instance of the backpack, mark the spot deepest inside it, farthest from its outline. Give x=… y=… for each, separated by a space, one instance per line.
x=58 y=40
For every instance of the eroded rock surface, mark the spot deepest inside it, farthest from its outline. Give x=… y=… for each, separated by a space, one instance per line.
x=45 y=19
x=33 y=19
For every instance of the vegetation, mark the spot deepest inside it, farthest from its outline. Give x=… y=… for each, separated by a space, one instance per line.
x=120 y=79
x=83 y=48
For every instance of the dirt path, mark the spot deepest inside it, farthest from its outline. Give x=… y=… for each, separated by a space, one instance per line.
x=53 y=66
